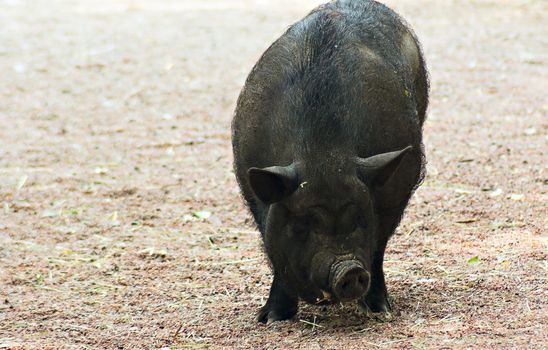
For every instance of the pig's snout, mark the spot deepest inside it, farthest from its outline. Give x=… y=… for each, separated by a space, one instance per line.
x=349 y=280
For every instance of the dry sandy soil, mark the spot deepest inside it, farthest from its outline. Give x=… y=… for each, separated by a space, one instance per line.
x=121 y=225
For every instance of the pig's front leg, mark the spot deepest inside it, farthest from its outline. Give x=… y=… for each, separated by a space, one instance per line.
x=281 y=304
x=375 y=303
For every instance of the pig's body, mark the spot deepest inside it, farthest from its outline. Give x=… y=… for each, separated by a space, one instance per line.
x=343 y=85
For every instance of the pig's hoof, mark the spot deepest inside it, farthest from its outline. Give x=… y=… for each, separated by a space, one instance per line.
x=272 y=313
x=380 y=311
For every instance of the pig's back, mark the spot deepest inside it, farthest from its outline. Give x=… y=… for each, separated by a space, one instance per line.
x=349 y=76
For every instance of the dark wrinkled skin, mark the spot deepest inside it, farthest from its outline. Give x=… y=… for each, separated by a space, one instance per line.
x=343 y=85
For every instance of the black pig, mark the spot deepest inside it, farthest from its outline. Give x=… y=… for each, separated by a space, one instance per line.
x=327 y=141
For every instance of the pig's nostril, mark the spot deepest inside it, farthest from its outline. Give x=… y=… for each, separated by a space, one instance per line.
x=362 y=280
x=350 y=280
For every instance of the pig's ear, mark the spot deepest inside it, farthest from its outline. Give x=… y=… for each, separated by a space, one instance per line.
x=274 y=183
x=391 y=176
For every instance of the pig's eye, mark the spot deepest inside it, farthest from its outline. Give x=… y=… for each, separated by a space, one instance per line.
x=362 y=223
x=302 y=225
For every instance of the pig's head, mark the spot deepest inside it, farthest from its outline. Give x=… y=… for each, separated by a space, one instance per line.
x=322 y=226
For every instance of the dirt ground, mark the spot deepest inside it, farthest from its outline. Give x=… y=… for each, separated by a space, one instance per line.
x=121 y=225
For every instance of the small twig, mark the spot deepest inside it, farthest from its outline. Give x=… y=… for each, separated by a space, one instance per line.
x=446 y=317
x=527 y=304
x=311 y=323
x=392 y=342
x=236 y=230
x=361 y=331
x=232 y=262
x=442 y=269
x=177 y=332
x=54 y=289
x=462 y=296
x=374 y=344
